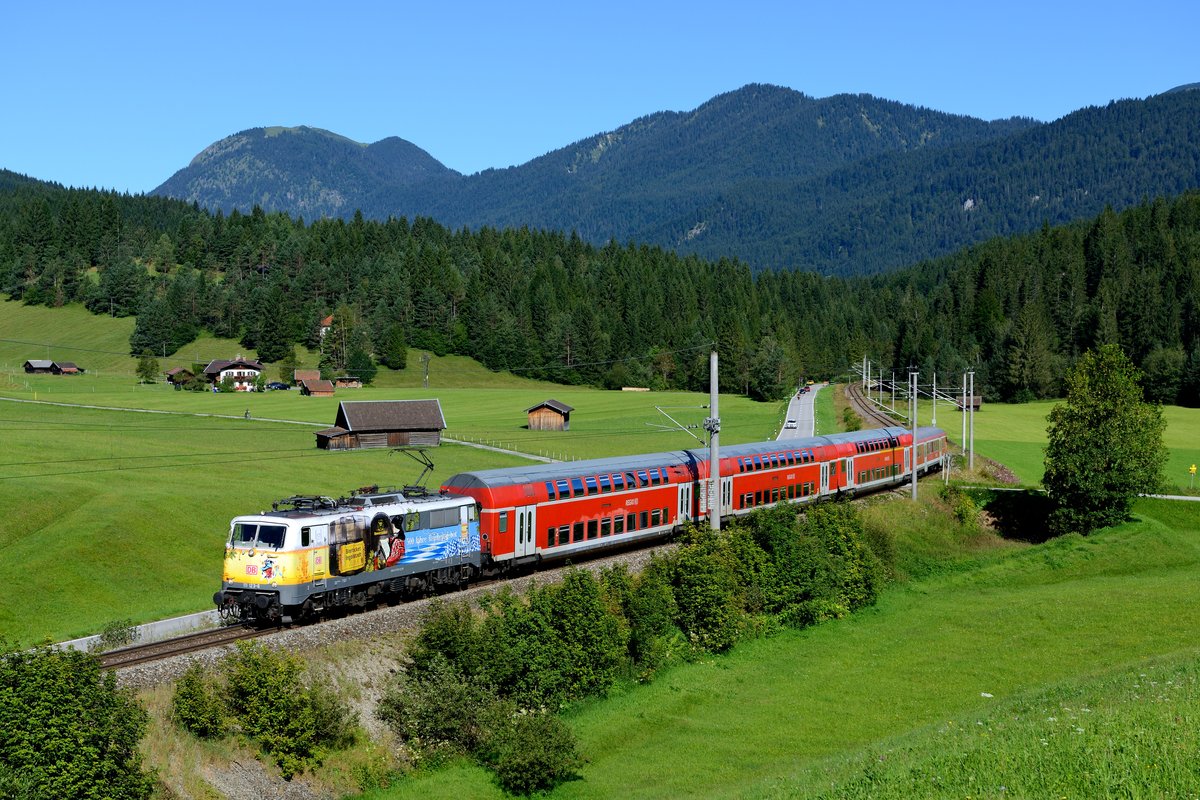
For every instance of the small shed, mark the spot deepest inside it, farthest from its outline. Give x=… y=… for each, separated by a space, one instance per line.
x=975 y=401
x=347 y=382
x=384 y=423
x=179 y=375
x=550 y=415
x=65 y=368
x=306 y=375
x=316 y=388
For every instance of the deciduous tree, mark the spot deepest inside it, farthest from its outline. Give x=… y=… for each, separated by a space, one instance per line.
x=1105 y=444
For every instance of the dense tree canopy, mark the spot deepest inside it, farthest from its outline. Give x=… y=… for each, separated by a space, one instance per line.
x=1105 y=444
x=548 y=305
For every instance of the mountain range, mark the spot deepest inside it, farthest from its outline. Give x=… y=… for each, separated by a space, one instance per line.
x=849 y=184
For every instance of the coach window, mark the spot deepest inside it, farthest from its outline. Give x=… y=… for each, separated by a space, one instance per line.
x=304 y=537
x=643 y=479
x=630 y=481
x=503 y=521
x=618 y=481
x=564 y=489
x=655 y=517
x=606 y=526
x=605 y=484
x=550 y=489
x=631 y=522
x=643 y=519
x=577 y=533
x=618 y=524
x=591 y=528
x=592 y=486
x=577 y=486
x=564 y=534
x=550 y=532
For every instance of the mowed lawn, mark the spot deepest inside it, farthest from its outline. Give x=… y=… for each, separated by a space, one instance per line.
x=782 y=716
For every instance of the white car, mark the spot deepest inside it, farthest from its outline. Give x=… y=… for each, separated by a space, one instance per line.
x=790 y=424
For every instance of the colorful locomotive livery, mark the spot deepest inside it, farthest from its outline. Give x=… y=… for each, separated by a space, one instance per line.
x=312 y=555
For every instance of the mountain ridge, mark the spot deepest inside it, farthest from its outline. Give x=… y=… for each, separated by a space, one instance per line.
x=846 y=184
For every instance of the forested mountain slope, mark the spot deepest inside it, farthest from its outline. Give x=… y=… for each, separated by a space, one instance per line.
x=845 y=185
x=549 y=305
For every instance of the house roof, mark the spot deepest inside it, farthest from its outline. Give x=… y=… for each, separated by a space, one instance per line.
x=67 y=365
x=390 y=415
x=40 y=363
x=176 y=370
x=307 y=375
x=216 y=366
x=561 y=408
x=329 y=433
x=318 y=385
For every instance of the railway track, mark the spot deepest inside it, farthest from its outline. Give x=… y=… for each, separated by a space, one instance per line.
x=866 y=409
x=180 y=645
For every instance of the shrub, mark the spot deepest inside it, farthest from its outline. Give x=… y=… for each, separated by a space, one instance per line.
x=196 y=705
x=289 y=720
x=533 y=753
x=66 y=730
x=437 y=710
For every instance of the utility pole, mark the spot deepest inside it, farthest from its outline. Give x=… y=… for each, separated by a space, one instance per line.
x=971 y=462
x=963 y=440
x=934 y=422
x=893 y=391
x=713 y=426
x=425 y=363
x=912 y=380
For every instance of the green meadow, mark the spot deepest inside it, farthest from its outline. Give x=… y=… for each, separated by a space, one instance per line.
x=1013 y=671
x=116 y=497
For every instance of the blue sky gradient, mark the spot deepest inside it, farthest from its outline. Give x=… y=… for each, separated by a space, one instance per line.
x=121 y=95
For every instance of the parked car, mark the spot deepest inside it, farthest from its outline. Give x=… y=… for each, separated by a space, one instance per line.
x=277 y=385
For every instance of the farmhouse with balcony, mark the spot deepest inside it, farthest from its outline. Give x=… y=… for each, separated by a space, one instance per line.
x=242 y=371
x=384 y=423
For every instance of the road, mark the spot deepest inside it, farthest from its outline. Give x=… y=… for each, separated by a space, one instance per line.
x=802 y=410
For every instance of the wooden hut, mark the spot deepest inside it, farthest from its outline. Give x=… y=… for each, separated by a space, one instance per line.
x=550 y=415
x=384 y=423
x=316 y=388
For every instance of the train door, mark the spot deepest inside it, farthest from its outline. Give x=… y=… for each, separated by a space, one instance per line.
x=526 y=531
x=848 y=472
x=684 y=509
x=726 y=496
x=318 y=551
x=826 y=477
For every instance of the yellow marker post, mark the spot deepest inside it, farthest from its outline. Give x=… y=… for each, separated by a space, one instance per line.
x=1191 y=475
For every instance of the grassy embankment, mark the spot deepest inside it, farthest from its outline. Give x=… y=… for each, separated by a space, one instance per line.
x=1007 y=671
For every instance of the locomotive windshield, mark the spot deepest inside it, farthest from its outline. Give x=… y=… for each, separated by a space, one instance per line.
x=250 y=534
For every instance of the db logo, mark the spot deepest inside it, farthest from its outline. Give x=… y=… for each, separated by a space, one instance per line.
x=251 y=569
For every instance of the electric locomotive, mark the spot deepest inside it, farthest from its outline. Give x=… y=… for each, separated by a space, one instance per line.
x=311 y=555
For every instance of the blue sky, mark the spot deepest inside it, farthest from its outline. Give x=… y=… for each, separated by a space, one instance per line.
x=122 y=94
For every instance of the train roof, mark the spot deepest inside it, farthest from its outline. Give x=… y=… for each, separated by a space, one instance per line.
x=539 y=473
x=301 y=506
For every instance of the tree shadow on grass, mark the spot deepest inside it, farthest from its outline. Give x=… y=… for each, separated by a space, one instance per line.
x=1021 y=516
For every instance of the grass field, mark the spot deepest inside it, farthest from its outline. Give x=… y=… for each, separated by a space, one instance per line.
x=118 y=515
x=1012 y=631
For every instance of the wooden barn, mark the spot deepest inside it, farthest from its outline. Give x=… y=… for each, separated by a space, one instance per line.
x=384 y=423
x=306 y=375
x=179 y=375
x=316 y=388
x=347 y=382
x=550 y=415
x=46 y=367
